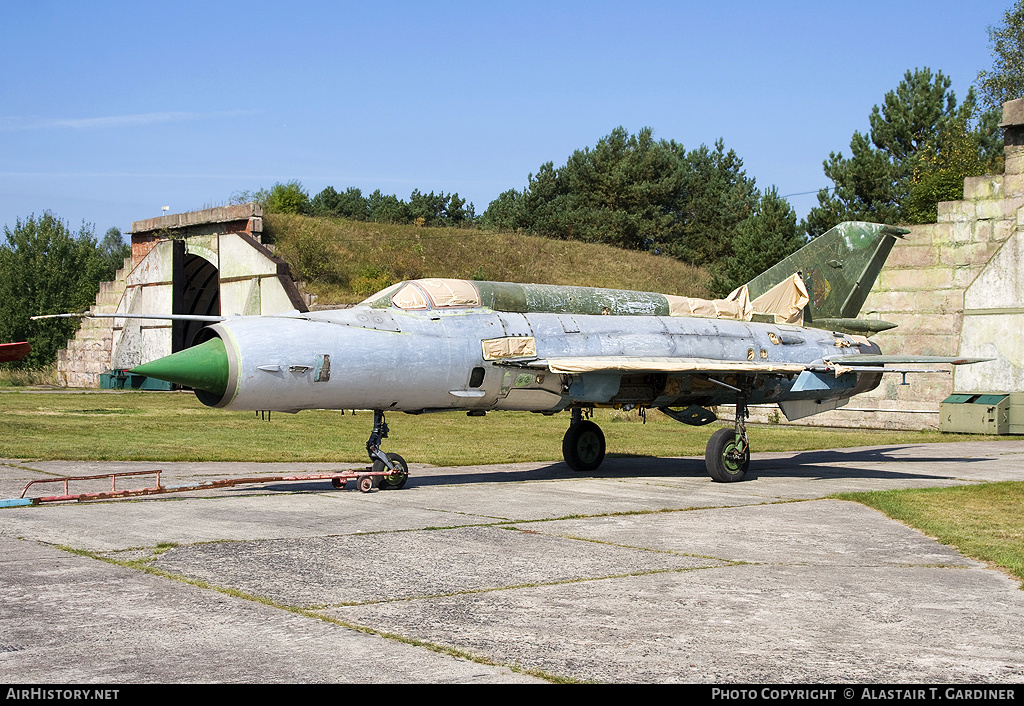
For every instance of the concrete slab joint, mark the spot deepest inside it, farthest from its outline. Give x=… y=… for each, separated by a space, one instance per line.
x=643 y=573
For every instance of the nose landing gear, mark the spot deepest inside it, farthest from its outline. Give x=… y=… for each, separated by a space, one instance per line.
x=389 y=470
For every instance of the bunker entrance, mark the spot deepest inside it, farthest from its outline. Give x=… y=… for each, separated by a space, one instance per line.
x=196 y=291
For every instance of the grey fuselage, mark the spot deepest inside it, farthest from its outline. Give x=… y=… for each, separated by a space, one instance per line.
x=432 y=360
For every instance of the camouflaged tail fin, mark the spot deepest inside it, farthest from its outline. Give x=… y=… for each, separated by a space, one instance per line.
x=838 y=268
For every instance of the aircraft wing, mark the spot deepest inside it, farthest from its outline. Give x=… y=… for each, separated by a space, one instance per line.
x=652 y=364
x=121 y=315
x=657 y=364
x=876 y=363
x=897 y=359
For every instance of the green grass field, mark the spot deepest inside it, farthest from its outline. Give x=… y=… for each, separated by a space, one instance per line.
x=148 y=426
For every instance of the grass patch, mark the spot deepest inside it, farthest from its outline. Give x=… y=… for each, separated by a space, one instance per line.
x=346 y=261
x=983 y=521
x=156 y=426
x=11 y=375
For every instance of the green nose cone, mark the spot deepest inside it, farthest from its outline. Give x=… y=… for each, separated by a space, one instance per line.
x=203 y=367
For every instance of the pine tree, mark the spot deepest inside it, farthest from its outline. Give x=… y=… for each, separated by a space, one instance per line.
x=635 y=192
x=875 y=182
x=764 y=238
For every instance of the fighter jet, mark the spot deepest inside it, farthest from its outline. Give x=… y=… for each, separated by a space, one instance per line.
x=791 y=337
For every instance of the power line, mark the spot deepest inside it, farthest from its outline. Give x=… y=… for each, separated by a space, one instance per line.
x=805 y=193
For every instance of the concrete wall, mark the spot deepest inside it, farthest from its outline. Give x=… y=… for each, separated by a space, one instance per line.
x=993 y=324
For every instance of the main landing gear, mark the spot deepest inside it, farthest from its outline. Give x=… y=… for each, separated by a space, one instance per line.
x=727 y=455
x=583 y=443
x=388 y=472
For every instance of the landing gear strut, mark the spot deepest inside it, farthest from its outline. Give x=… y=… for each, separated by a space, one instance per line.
x=583 y=443
x=728 y=452
x=389 y=471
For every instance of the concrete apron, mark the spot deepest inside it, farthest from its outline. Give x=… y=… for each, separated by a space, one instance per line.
x=644 y=571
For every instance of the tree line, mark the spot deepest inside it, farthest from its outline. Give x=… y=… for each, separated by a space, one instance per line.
x=700 y=206
x=45 y=268
x=434 y=210
x=635 y=192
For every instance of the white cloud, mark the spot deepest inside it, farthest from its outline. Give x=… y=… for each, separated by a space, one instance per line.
x=17 y=124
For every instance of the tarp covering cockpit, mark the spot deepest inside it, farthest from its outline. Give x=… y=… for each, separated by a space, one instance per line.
x=784 y=302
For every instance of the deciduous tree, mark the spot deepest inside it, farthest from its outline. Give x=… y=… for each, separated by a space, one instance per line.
x=1005 y=82
x=290 y=197
x=45 y=269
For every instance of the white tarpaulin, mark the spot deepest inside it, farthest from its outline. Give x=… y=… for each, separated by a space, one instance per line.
x=785 y=301
x=664 y=365
x=735 y=306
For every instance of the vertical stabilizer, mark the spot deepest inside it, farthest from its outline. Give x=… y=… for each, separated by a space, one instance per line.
x=838 y=268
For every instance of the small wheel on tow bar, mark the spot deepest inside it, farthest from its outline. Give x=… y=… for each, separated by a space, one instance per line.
x=725 y=462
x=397 y=478
x=365 y=483
x=583 y=446
x=337 y=483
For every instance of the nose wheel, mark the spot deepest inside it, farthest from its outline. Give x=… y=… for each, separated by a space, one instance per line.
x=389 y=470
x=395 y=480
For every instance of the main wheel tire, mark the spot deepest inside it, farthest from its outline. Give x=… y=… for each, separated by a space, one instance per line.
x=396 y=479
x=725 y=464
x=583 y=446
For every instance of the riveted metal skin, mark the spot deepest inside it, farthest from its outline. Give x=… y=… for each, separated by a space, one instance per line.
x=426 y=361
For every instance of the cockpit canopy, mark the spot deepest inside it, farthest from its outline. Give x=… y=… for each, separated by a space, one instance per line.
x=428 y=293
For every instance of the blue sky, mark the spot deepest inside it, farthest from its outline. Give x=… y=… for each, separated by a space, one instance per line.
x=111 y=110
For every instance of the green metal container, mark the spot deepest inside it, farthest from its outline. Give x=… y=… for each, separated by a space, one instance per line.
x=982 y=413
